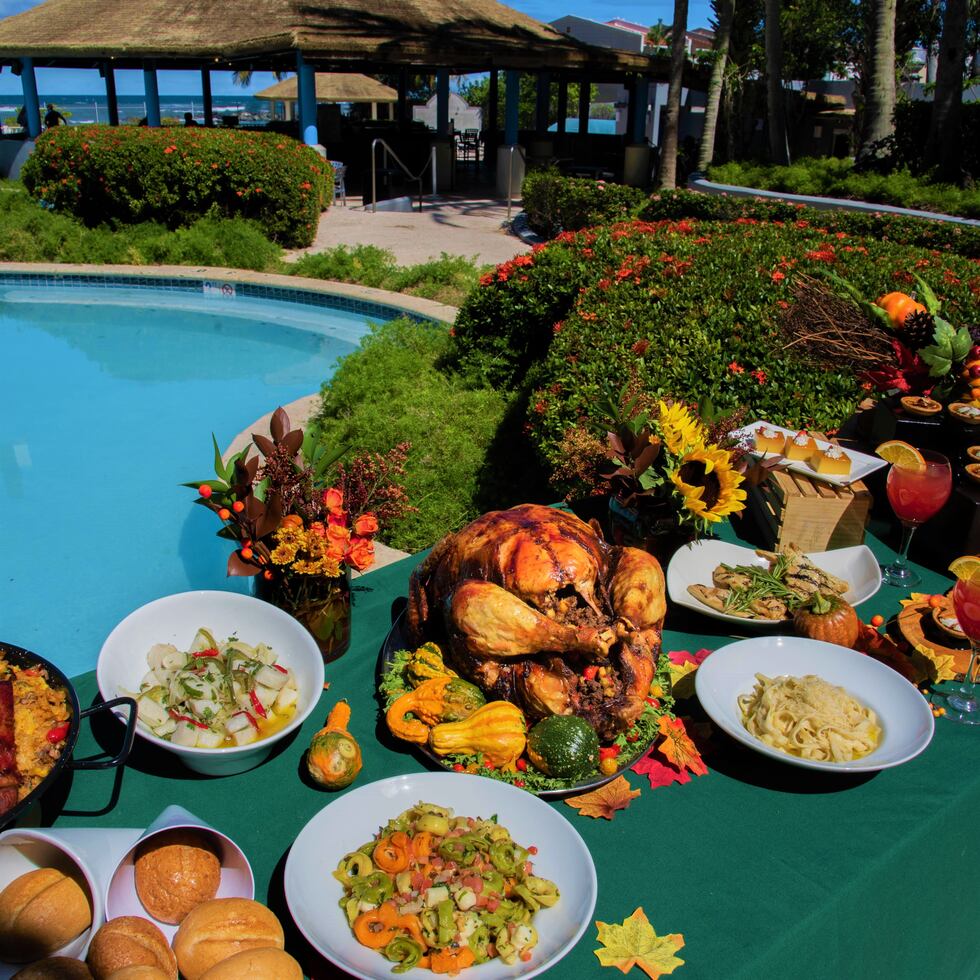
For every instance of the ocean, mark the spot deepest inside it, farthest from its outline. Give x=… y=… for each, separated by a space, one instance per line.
x=81 y=109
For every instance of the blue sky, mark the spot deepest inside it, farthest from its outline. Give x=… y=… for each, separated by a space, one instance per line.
x=68 y=82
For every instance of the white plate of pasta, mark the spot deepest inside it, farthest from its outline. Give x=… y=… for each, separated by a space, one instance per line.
x=814 y=704
x=318 y=901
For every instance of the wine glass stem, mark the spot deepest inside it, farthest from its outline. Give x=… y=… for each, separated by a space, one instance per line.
x=967 y=687
x=903 y=555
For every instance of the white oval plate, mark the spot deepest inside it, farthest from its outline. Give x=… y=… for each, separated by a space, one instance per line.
x=903 y=713
x=312 y=893
x=693 y=564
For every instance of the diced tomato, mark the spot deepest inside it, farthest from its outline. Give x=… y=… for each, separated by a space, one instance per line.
x=532 y=850
x=471 y=881
x=492 y=904
x=436 y=862
x=608 y=752
x=418 y=880
x=590 y=672
x=482 y=901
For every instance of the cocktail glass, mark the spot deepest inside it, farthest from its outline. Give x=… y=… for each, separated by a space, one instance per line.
x=915 y=496
x=962 y=701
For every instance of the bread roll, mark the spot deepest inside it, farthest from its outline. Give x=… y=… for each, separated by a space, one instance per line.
x=175 y=871
x=221 y=928
x=55 y=968
x=40 y=912
x=139 y=973
x=256 y=964
x=130 y=941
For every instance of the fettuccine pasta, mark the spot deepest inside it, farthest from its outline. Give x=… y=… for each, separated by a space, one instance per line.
x=809 y=718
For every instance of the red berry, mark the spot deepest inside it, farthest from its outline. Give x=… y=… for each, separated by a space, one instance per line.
x=519 y=783
x=247 y=553
x=458 y=767
x=224 y=513
x=877 y=620
x=204 y=490
x=267 y=575
x=237 y=506
x=521 y=765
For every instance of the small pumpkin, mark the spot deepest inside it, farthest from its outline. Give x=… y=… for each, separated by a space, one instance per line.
x=427 y=662
x=565 y=746
x=334 y=757
x=899 y=307
x=436 y=700
x=496 y=731
x=828 y=618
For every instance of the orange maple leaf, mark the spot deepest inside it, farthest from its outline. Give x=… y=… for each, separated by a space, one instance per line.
x=678 y=747
x=606 y=800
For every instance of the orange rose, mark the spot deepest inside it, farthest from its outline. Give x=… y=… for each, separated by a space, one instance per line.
x=338 y=541
x=361 y=553
x=366 y=524
x=333 y=500
x=318 y=529
x=339 y=518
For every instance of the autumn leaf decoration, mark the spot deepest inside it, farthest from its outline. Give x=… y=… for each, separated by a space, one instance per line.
x=678 y=748
x=606 y=800
x=634 y=943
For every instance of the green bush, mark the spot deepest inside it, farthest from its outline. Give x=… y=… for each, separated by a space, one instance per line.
x=176 y=176
x=830 y=177
x=554 y=203
x=695 y=304
x=390 y=390
x=29 y=233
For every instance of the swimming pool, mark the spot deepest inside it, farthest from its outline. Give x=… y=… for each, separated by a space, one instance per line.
x=110 y=396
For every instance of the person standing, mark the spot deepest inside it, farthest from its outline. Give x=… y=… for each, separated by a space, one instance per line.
x=52 y=117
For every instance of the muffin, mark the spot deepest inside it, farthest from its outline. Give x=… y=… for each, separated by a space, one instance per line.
x=175 y=872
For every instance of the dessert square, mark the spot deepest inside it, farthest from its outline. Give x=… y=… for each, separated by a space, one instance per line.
x=799 y=447
x=769 y=440
x=832 y=461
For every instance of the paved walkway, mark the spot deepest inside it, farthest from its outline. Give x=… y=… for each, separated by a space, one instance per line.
x=474 y=227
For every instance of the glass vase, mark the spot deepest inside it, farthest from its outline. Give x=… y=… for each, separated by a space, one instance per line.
x=653 y=529
x=320 y=603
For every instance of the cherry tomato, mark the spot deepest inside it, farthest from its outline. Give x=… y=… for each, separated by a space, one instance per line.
x=936 y=601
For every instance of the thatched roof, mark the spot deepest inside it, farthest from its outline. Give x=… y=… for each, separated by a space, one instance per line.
x=340 y=35
x=334 y=87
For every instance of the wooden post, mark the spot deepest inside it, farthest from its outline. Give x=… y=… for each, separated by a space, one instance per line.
x=110 y=94
x=584 y=103
x=206 y=96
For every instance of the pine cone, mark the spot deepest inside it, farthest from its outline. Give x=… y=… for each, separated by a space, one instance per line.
x=917 y=331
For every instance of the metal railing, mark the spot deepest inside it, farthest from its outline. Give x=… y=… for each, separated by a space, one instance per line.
x=431 y=162
x=510 y=173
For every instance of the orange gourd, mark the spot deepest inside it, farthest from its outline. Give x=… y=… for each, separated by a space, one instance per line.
x=334 y=757
x=899 y=306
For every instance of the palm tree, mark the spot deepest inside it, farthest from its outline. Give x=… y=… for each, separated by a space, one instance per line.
x=879 y=109
x=657 y=35
x=778 y=139
x=943 y=142
x=667 y=175
x=726 y=14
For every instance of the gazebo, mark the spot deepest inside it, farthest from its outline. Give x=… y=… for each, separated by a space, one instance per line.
x=334 y=87
x=418 y=36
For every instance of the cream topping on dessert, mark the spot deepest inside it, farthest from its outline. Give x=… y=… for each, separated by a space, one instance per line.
x=801 y=439
x=834 y=452
x=768 y=433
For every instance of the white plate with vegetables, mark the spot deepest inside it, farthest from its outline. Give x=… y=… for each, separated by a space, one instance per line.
x=317 y=900
x=219 y=677
x=695 y=565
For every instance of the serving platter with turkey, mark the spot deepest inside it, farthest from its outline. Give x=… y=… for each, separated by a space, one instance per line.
x=535 y=608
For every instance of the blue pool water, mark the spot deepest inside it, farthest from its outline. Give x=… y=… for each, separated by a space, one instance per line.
x=109 y=398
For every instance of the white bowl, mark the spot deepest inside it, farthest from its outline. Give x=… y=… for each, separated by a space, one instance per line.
x=175 y=619
x=312 y=893
x=903 y=713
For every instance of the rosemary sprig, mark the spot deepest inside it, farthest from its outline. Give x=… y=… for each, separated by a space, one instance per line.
x=765 y=583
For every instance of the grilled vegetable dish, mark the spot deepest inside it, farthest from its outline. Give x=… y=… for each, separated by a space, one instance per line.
x=772 y=593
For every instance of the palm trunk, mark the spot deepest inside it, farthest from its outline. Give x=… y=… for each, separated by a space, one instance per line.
x=726 y=14
x=943 y=143
x=778 y=140
x=667 y=176
x=879 y=111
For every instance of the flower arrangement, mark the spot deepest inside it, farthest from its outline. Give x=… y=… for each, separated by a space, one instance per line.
x=660 y=460
x=289 y=521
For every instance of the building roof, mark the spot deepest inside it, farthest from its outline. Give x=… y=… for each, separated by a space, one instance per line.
x=333 y=87
x=332 y=34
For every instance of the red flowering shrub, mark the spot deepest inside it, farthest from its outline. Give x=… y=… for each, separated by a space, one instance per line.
x=175 y=176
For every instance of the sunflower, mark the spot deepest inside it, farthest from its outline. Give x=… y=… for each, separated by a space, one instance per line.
x=681 y=431
x=708 y=485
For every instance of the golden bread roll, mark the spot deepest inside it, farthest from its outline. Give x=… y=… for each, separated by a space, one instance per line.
x=141 y=972
x=129 y=940
x=175 y=871
x=256 y=964
x=40 y=912
x=221 y=928
x=55 y=968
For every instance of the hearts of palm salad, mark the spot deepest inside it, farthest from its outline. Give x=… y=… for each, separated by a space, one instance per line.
x=442 y=892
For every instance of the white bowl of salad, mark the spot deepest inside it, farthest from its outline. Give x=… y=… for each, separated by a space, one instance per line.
x=219 y=678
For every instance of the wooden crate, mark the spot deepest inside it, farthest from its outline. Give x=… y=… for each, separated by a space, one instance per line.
x=813 y=515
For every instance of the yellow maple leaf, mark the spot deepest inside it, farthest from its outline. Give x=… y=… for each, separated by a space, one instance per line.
x=914 y=598
x=606 y=800
x=634 y=943
x=682 y=679
x=939 y=665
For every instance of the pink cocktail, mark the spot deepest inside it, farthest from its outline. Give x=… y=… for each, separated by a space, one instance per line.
x=915 y=495
x=966 y=602
x=963 y=700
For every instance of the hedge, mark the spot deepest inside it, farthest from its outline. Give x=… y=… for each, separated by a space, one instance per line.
x=177 y=175
x=554 y=203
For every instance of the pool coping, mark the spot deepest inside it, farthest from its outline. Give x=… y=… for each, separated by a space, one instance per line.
x=348 y=294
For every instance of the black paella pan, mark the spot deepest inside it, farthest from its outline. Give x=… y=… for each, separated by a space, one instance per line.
x=21 y=659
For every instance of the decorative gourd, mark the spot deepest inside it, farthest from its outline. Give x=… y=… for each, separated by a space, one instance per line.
x=828 y=618
x=425 y=664
x=496 y=731
x=334 y=757
x=435 y=700
x=564 y=746
x=899 y=306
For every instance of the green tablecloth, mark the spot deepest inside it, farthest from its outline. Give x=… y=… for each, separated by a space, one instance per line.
x=766 y=869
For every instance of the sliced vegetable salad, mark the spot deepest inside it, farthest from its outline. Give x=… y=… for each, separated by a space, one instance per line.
x=443 y=892
x=215 y=695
